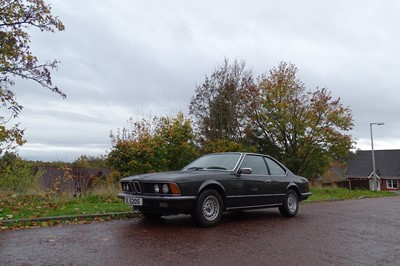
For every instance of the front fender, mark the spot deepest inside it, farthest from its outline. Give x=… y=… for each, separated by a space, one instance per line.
x=211 y=183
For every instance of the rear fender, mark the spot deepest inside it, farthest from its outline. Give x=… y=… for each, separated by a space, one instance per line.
x=295 y=188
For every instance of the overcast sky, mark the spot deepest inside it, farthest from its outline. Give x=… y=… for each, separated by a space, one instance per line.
x=143 y=58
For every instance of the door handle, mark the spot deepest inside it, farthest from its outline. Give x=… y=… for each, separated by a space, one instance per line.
x=267 y=181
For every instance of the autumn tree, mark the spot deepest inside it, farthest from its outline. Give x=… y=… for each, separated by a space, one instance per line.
x=162 y=144
x=175 y=136
x=304 y=129
x=17 y=17
x=218 y=105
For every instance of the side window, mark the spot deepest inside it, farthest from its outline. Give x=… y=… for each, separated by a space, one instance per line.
x=256 y=163
x=275 y=168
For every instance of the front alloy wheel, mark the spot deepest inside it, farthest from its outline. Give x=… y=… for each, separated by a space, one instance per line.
x=208 y=208
x=290 y=205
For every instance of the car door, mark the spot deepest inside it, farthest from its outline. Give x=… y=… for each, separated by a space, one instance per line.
x=277 y=181
x=253 y=189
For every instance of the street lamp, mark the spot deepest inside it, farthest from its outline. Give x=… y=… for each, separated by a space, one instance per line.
x=375 y=186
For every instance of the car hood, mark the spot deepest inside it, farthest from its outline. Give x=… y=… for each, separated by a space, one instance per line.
x=176 y=175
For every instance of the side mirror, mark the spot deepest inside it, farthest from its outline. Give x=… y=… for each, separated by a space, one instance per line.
x=245 y=171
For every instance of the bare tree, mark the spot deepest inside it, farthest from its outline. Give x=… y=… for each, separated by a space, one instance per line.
x=218 y=105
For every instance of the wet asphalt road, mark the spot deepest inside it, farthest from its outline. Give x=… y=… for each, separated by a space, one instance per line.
x=354 y=232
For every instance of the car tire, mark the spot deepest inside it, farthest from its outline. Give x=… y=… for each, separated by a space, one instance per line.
x=290 y=205
x=208 y=208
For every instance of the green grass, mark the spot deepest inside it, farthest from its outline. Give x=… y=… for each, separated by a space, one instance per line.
x=321 y=194
x=36 y=206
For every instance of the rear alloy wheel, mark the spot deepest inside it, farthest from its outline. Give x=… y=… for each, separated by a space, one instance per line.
x=208 y=208
x=290 y=205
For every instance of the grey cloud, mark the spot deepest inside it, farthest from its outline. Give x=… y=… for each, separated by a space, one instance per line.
x=121 y=59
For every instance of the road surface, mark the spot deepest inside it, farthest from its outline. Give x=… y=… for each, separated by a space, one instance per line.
x=353 y=232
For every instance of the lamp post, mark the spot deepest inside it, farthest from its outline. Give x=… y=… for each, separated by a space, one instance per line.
x=375 y=186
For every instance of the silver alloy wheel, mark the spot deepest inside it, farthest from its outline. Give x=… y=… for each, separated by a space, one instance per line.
x=210 y=208
x=292 y=203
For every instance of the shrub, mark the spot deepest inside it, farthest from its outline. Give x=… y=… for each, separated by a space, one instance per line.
x=16 y=174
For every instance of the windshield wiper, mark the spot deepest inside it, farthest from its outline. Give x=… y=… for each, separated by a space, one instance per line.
x=196 y=168
x=217 y=168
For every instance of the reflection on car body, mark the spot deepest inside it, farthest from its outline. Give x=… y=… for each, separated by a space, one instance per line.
x=215 y=183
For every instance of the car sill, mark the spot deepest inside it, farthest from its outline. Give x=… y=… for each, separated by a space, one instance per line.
x=254 y=207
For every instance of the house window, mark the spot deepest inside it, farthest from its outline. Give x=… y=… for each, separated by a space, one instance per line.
x=392 y=184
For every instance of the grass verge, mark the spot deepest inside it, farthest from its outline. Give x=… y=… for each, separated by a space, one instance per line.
x=324 y=194
x=30 y=207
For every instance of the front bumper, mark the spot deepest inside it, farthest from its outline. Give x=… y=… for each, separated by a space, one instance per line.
x=305 y=196
x=163 y=204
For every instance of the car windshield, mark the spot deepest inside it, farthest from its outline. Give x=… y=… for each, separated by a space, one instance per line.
x=226 y=161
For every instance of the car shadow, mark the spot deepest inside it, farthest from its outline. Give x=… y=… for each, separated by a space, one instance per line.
x=231 y=218
x=236 y=216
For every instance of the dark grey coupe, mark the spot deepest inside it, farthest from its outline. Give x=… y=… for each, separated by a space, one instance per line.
x=215 y=183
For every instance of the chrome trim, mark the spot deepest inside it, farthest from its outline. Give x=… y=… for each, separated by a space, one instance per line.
x=156 y=197
x=137 y=187
x=255 y=206
x=264 y=156
x=128 y=183
x=306 y=194
x=238 y=163
x=255 y=196
x=132 y=188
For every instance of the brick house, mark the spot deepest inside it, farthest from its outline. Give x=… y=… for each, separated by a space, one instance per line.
x=387 y=165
